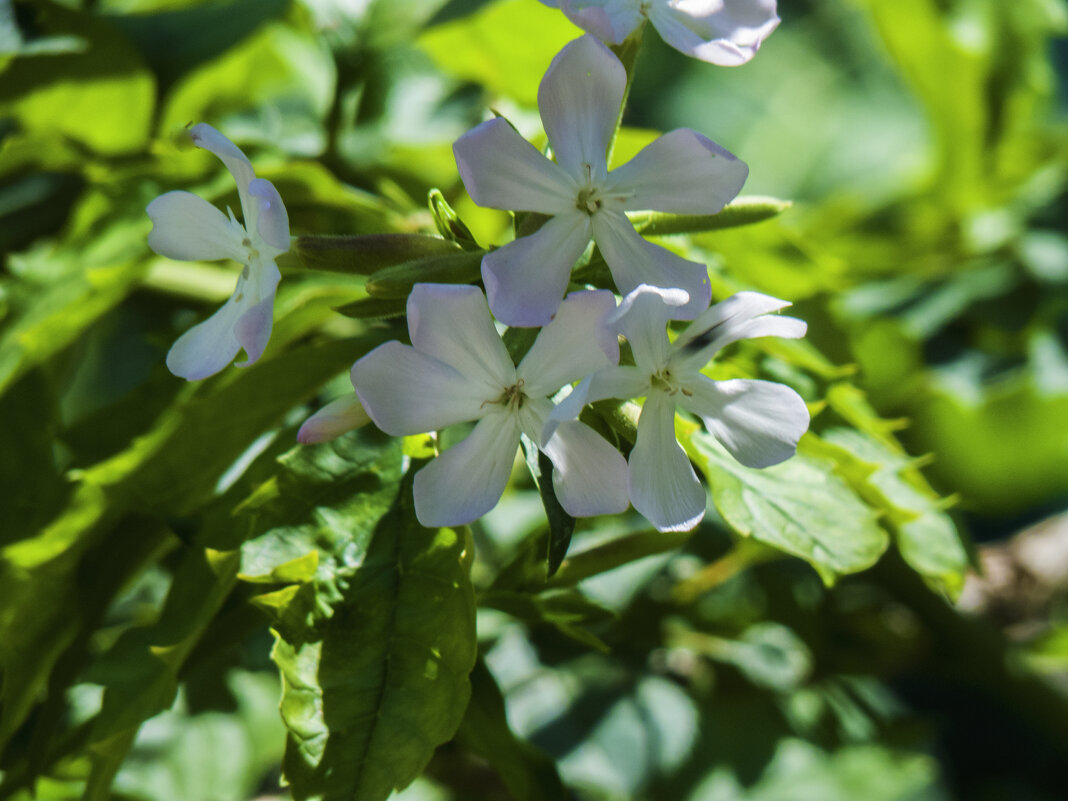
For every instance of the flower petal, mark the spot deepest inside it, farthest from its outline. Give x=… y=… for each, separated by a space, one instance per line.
x=662 y=483
x=188 y=228
x=681 y=172
x=207 y=138
x=526 y=279
x=468 y=479
x=452 y=323
x=272 y=220
x=634 y=261
x=576 y=343
x=579 y=100
x=745 y=315
x=253 y=328
x=642 y=318
x=723 y=32
x=612 y=382
x=609 y=20
x=341 y=415
x=759 y=422
x=407 y=392
x=207 y=347
x=589 y=475
x=503 y=170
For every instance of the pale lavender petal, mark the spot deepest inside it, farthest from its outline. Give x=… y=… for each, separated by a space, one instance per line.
x=207 y=347
x=662 y=483
x=468 y=479
x=745 y=315
x=244 y=321
x=758 y=422
x=642 y=318
x=576 y=343
x=452 y=323
x=681 y=172
x=612 y=382
x=502 y=170
x=609 y=20
x=206 y=137
x=408 y=392
x=634 y=261
x=272 y=220
x=526 y=279
x=253 y=328
x=337 y=417
x=188 y=228
x=579 y=100
x=723 y=32
x=589 y=475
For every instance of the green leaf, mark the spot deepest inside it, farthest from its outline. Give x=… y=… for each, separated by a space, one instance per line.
x=888 y=479
x=57 y=315
x=170 y=470
x=527 y=771
x=101 y=96
x=800 y=506
x=371 y=691
x=215 y=754
x=506 y=47
x=740 y=211
x=29 y=474
x=397 y=282
x=145 y=662
x=768 y=654
x=277 y=67
x=364 y=255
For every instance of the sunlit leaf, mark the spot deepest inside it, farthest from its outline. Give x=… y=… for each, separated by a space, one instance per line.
x=799 y=506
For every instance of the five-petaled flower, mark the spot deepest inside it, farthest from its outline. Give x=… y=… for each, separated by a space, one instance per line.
x=188 y=228
x=758 y=422
x=723 y=32
x=579 y=100
x=458 y=370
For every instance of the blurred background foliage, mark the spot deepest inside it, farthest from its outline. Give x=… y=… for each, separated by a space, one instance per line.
x=153 y=530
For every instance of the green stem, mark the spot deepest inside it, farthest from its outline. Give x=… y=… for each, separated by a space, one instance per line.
x=616 y=553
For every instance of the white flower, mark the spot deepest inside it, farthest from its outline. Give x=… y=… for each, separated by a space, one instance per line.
x=579 y=99
x=341 y=415
x=758 y=422
x=723 y=32
x=458 y=369
x=188 y=228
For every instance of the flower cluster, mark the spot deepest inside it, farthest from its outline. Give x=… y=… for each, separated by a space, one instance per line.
x=457 y=369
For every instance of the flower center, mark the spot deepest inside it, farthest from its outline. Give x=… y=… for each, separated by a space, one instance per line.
x=589 y=200
x=513 y=397
x=666 y=381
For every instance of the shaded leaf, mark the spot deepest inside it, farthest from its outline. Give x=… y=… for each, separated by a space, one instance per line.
x=145 y=662
x=527 y=771
x=371 y=691
x=367 y=254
